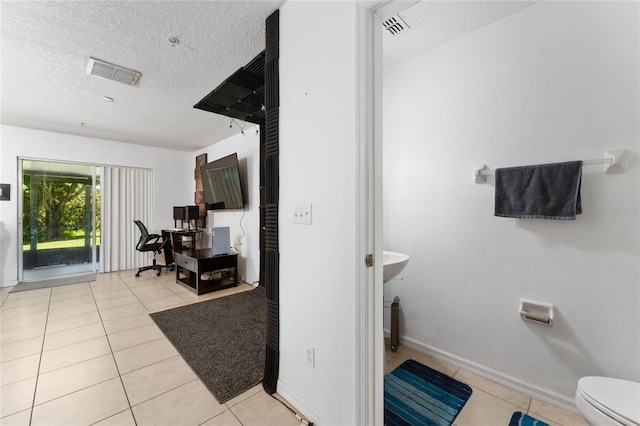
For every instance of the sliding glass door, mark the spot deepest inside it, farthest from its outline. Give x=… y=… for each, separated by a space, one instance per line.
x=60 y=219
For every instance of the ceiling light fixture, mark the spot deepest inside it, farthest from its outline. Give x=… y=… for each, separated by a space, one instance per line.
x=112 y=72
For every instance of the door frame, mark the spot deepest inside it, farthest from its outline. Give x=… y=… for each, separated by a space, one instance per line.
x=369 y=235
x=20 y=209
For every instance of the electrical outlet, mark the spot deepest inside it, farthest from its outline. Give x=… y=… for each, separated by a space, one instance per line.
x=311 y=357
x=302 y=214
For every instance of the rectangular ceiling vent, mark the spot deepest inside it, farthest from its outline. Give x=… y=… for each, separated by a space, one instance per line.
x=395 y=25
x=112 y=72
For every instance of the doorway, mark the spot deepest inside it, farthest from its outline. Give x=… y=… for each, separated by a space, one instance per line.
x=60 y=220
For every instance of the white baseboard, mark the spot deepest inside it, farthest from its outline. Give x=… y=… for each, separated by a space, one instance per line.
x=308 y=410
x=8 y=283
x=546 y=395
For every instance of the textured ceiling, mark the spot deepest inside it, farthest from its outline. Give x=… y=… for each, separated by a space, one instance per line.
x=45 y=47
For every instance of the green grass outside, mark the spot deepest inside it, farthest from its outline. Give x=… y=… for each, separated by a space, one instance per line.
x=76 y=241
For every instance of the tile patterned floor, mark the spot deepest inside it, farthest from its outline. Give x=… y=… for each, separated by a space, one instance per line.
x=490 y=404
x=89 y=354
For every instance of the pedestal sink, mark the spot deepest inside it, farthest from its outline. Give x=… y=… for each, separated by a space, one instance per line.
x=392 y=264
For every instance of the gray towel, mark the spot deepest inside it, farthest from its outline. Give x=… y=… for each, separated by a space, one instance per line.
x=545 y=191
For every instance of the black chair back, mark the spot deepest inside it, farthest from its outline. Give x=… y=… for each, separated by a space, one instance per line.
x=144 y=236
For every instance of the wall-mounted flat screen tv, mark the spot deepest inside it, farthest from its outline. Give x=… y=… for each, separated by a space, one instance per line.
x=221 y=184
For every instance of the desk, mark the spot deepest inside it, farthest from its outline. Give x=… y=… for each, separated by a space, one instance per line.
x=192 y=264
x=168 y=247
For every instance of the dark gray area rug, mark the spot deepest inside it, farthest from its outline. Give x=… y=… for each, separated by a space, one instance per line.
x=223 y=340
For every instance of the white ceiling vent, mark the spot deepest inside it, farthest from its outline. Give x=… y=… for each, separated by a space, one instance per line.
x=112 y=72
x=395 y=25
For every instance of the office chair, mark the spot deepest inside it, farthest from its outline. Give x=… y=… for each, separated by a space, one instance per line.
x=149 y=242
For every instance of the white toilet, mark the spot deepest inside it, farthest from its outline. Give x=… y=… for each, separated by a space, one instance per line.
x=605 y=401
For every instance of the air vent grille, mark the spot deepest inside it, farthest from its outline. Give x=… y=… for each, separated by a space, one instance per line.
x=395 y=25
x=112 y=72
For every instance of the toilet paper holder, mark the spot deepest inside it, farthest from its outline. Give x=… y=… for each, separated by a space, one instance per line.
x=538 y=312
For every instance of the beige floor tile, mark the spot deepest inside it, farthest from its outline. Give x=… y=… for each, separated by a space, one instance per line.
x=73 y=354
x=19 y=369
x=147 y=287
x=131 y=280
x=70 y=288
x=189 y=404
x=154 y=294
x=29 y=294
x=75 y=321
x=485 y=409
x=105 y=277
x=164 y=303
x=112 y=293
x=245 y=395
x=24 y=311
x=122 y=311
x=188 y=296
x=21 y=418
x=21 y=333
x=4 y=291
x=156 y=379
x=143 y=355
x=21 y=349
x=69 y=311
x=17 y=396
x=108 y=287
x=262 y=409
x=405 y=353
x=519 y=399
x=542 y=409
x=167 y=276
x=74 y=335
x=390 y=364
x=71 y=293
x=64 y=381
x=19 y=302
x=17 y=321
x=240 y=288
x=134 y=337
x=71 y=301
x=126 y=323
x=84 y=407
x=227 y=418
x=117 y=301
x=124 y=418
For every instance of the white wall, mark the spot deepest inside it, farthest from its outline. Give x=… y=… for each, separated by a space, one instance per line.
x=317 y=166
x=173 y=177
x=247 y=147
x=555 y=82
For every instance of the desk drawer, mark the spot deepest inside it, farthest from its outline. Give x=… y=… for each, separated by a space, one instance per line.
x=186 y=262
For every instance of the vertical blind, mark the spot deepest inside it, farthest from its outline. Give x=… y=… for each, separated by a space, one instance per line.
x=127 y=195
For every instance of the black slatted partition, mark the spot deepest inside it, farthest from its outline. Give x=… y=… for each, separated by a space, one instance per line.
x=269 y=210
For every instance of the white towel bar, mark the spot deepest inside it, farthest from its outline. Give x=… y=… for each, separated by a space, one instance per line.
x=615 y=161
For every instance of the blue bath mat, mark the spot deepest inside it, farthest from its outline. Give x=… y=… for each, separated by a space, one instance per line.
x=521 y=419
x=415 y=394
